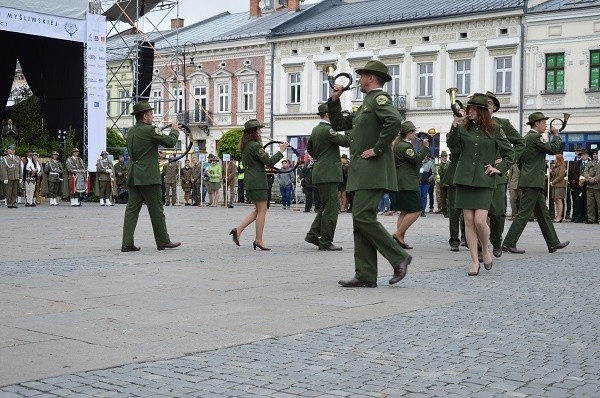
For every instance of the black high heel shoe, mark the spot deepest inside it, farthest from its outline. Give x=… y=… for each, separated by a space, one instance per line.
x=488 y=266
x=255 y=245
x=471 y=273
x=235 y=236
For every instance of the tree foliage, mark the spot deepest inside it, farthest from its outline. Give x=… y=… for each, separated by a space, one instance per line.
x=230 y=143
x=114 y=142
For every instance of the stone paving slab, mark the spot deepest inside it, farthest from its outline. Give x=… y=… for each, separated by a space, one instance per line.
x=80 y=318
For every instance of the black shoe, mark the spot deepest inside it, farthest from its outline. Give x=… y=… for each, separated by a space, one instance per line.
x=166 y=204
x=497 y=251
x=488 y=266
x=330 y=248
x=357 y=283
x=561 y=245
x=454 y=248
x=312 y=241
x=514 y=250
x=305 y=211
x=400 y=271
x=131 y=248
x=230 y=206
x=471 y=273
x=170 y=245
x=234 y=236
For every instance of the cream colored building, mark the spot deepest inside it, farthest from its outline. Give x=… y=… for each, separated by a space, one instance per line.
x=475 y=51
x=562 y=67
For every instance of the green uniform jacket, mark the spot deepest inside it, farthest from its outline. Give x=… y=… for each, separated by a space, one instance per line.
x=533 y=160
x=448 y=179
x=142 y=144
x=324 y=146
x=442 y=169
x=255 y=158
x=374 y=125
x=408 y=162
x=121 y=168
x=515 y=138
x=478 y=150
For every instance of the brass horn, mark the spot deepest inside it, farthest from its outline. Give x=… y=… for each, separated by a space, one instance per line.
x=455 y=104
x=566 y=117
x=429 y=135
x=329 y=69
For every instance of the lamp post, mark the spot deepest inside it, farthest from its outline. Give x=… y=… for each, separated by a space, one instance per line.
x=180 y=60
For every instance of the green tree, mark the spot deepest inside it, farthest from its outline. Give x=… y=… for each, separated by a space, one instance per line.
x=115 y=143
x=230 y=143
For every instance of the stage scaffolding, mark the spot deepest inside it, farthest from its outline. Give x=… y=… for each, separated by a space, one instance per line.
x=130 y=23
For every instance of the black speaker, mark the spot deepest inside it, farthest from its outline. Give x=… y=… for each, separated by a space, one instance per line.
x=145 y=70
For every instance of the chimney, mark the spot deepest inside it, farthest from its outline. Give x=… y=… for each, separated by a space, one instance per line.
x=176 y=23
x=293 y=5
x=254 y=8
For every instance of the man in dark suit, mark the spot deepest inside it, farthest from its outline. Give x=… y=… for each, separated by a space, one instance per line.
x=374 y=126
x=143 y=177
x=578 y=186
x=324 y=146
x=532 y=183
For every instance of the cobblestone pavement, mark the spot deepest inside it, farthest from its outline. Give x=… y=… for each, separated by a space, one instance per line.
x=528 y=328
x=79 y=318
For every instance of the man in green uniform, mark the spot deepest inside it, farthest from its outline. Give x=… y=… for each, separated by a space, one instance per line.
x=497 y=211
x=441 y=185
x=11 y=172
x=453 y=213
x=143 y=177
x=324 y=146
x=532 y=182
x=374 y=126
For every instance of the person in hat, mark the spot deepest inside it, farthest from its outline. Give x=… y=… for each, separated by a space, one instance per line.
x=143 y=177
x=591 y=175
x=32 y=171
x=532 y=183
x=11 y=172
x=441 y=186
x=485 y=152
x=558 y=183
x=105 y=176
x=53 y=172
x=255 y=159
x=76 y=169
x=374 y=126
x=171 y=178
x=577 y=185
x=324 y=145
x=497 y=212
x=408 y=163
x=120 y=169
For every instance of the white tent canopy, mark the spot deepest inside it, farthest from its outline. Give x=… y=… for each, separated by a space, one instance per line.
x=65 y=8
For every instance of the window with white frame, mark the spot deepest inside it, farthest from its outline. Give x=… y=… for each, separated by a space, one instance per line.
x=393 y=86
x=156 y=101
x=247 y=97
x=124 y=101
x=463 y=76
x=107 y=102
x=425 y=73
x=324 y=87
x=503 y=66
x=358 y=95
x=295 y=81
x=223 y=97
x=200 y=104
x=179 y=97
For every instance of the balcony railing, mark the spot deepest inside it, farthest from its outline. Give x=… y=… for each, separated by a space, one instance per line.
x=193 y=117
x=399 y=102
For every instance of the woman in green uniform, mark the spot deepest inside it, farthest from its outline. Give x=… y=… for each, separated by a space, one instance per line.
x=478 y=139
x=408 y=163
x=255 y=158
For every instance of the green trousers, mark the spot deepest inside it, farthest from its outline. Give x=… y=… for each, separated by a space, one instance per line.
x=151 y=194
x=323 y=226
x=533 y=201
x=453 y=217
x=497 y=215
x=371 y=237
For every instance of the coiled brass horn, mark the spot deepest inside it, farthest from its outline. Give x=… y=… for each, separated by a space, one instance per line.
x=329 y=69
x=429 y=135
x=566 y=117
x=455 y=104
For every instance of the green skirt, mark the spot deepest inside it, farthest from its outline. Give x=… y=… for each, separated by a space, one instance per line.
x=257 y=195
x=468 y=197
x=409 y=201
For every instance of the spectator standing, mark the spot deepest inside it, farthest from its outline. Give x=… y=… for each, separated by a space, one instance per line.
x=215 y=174
x=171 y=176
x=186 y=181
x=286 y=181
x=592 y=178
x=230 y=178
x=559 y=186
